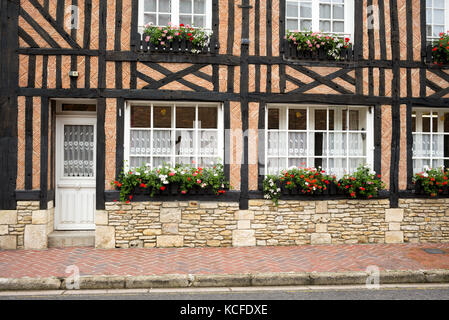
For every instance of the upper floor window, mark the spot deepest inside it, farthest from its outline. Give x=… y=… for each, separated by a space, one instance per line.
x=329 y=16
x=196 y=13
x=335 y=138
x=430 y=129
x=437 y=16
x=159 y=133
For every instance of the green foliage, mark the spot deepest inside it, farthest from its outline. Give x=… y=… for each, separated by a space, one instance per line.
x=433 y=181
x=363 y=183
x=313 y=41
x=159 y=179
x=440 y=51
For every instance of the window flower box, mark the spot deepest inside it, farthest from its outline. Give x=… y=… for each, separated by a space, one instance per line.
x=432 y=182
x=317 y=46
x=173 y=39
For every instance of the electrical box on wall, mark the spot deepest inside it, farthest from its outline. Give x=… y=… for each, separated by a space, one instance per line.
x=73 y=73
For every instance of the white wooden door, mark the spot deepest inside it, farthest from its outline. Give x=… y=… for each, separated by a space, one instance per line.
x=75 y=173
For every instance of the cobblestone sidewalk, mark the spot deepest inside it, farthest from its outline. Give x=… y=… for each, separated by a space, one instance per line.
x=160 y=261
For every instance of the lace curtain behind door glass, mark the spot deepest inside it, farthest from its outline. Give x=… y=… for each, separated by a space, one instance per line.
x=78 y=151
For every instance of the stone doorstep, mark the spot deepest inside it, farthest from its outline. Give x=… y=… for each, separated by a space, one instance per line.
x=63 y=239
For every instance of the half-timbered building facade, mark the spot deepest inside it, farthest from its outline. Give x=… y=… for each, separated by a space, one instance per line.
x=82 y=92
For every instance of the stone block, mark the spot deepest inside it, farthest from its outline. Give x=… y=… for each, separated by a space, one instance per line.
x=208 y=205
x=394 y=215
x=321 y=228
x=321 y=207
x=320 y=238
x=394 y=237
x=170 y=241
x=151 y=232
x=39 y=217
x=243 y=238
x=170 y=228
x=170 y=215
x=244 y=215
x=243 y=224
x=8 y=242
x=213 y=243
x=35 y=236
x=104 y=237
x=8 y=216
x=3 y=230
x=101 y=218
x=394 y=226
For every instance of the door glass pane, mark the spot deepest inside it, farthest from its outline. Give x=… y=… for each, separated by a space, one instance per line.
x=78 y=150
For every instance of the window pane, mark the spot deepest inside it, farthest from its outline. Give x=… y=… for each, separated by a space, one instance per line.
x=276 y=165
x=277 y=143
x=292 y=9
x=185 y=20
x=207 y=117
x=162 y=117
x=325 y=26
x=429 y=16
x=438 y=16
x=354 y=120
x=331 y=120
x=325 y=11
x=438 y=3
x=338 y=26
x=140 y=142
x=446 y=122
x=356 y=144
x=339 y=12
x=162 y=142
x=292 y=24
x=297 y=162
x=414 y=121
x=208 y=162
x=306 y=25
x=140 y=117
x=437 y=30
x=137 y=162
x=336 y=166
x=306 y=10
x=429 y=31
x=438 y=145
x=320 y=120
x=149 y=18
x=273 y=119
x=297 y=144
x=337 y=144
x=164 y=5
x=435 y=122
x=150 y=5
x=185 y=117
x=199 y=6
x=185 y=142
x=185 y=6
x=355 y=163
x=208 y=143
x=198 y=21
x=297 y=119
x=164 y=19
x=161 y=161
x=426 y=122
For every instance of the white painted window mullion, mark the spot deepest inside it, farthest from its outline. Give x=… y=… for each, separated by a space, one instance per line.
x=175 y=12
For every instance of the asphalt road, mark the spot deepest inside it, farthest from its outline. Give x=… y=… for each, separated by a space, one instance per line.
x=340 y=293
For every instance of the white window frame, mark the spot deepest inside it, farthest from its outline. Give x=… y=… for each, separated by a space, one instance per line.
x=173 y=129
x=348 y=19
x=446 y=19
x=418 y=133
x=175 y=14
x=309 y=153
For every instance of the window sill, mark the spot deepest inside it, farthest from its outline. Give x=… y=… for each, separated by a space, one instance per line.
x=181 y=46
x=293 y=54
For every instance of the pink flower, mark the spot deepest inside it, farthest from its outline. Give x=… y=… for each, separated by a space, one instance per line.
x=160 y=28
x=169 y=37
x=171 y=174
x=183 y=192
x=147 y=38
x=318 y=46
x=162 y=42
x=177 y=34
x=198 y=181
x=165 y=31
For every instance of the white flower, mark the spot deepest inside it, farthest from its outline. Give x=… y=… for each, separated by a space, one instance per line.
x=278 y=190
x=137 y=173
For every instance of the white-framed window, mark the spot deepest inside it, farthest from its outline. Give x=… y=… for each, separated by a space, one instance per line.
x=336 y=138
x=437 y=18
x=430 y=129
x=196 y=13
x=158 y=133
x=329 y=16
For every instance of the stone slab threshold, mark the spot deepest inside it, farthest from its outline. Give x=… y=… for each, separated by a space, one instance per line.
x=226 y=280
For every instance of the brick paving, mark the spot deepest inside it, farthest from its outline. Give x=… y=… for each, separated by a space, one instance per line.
x=157 y=261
